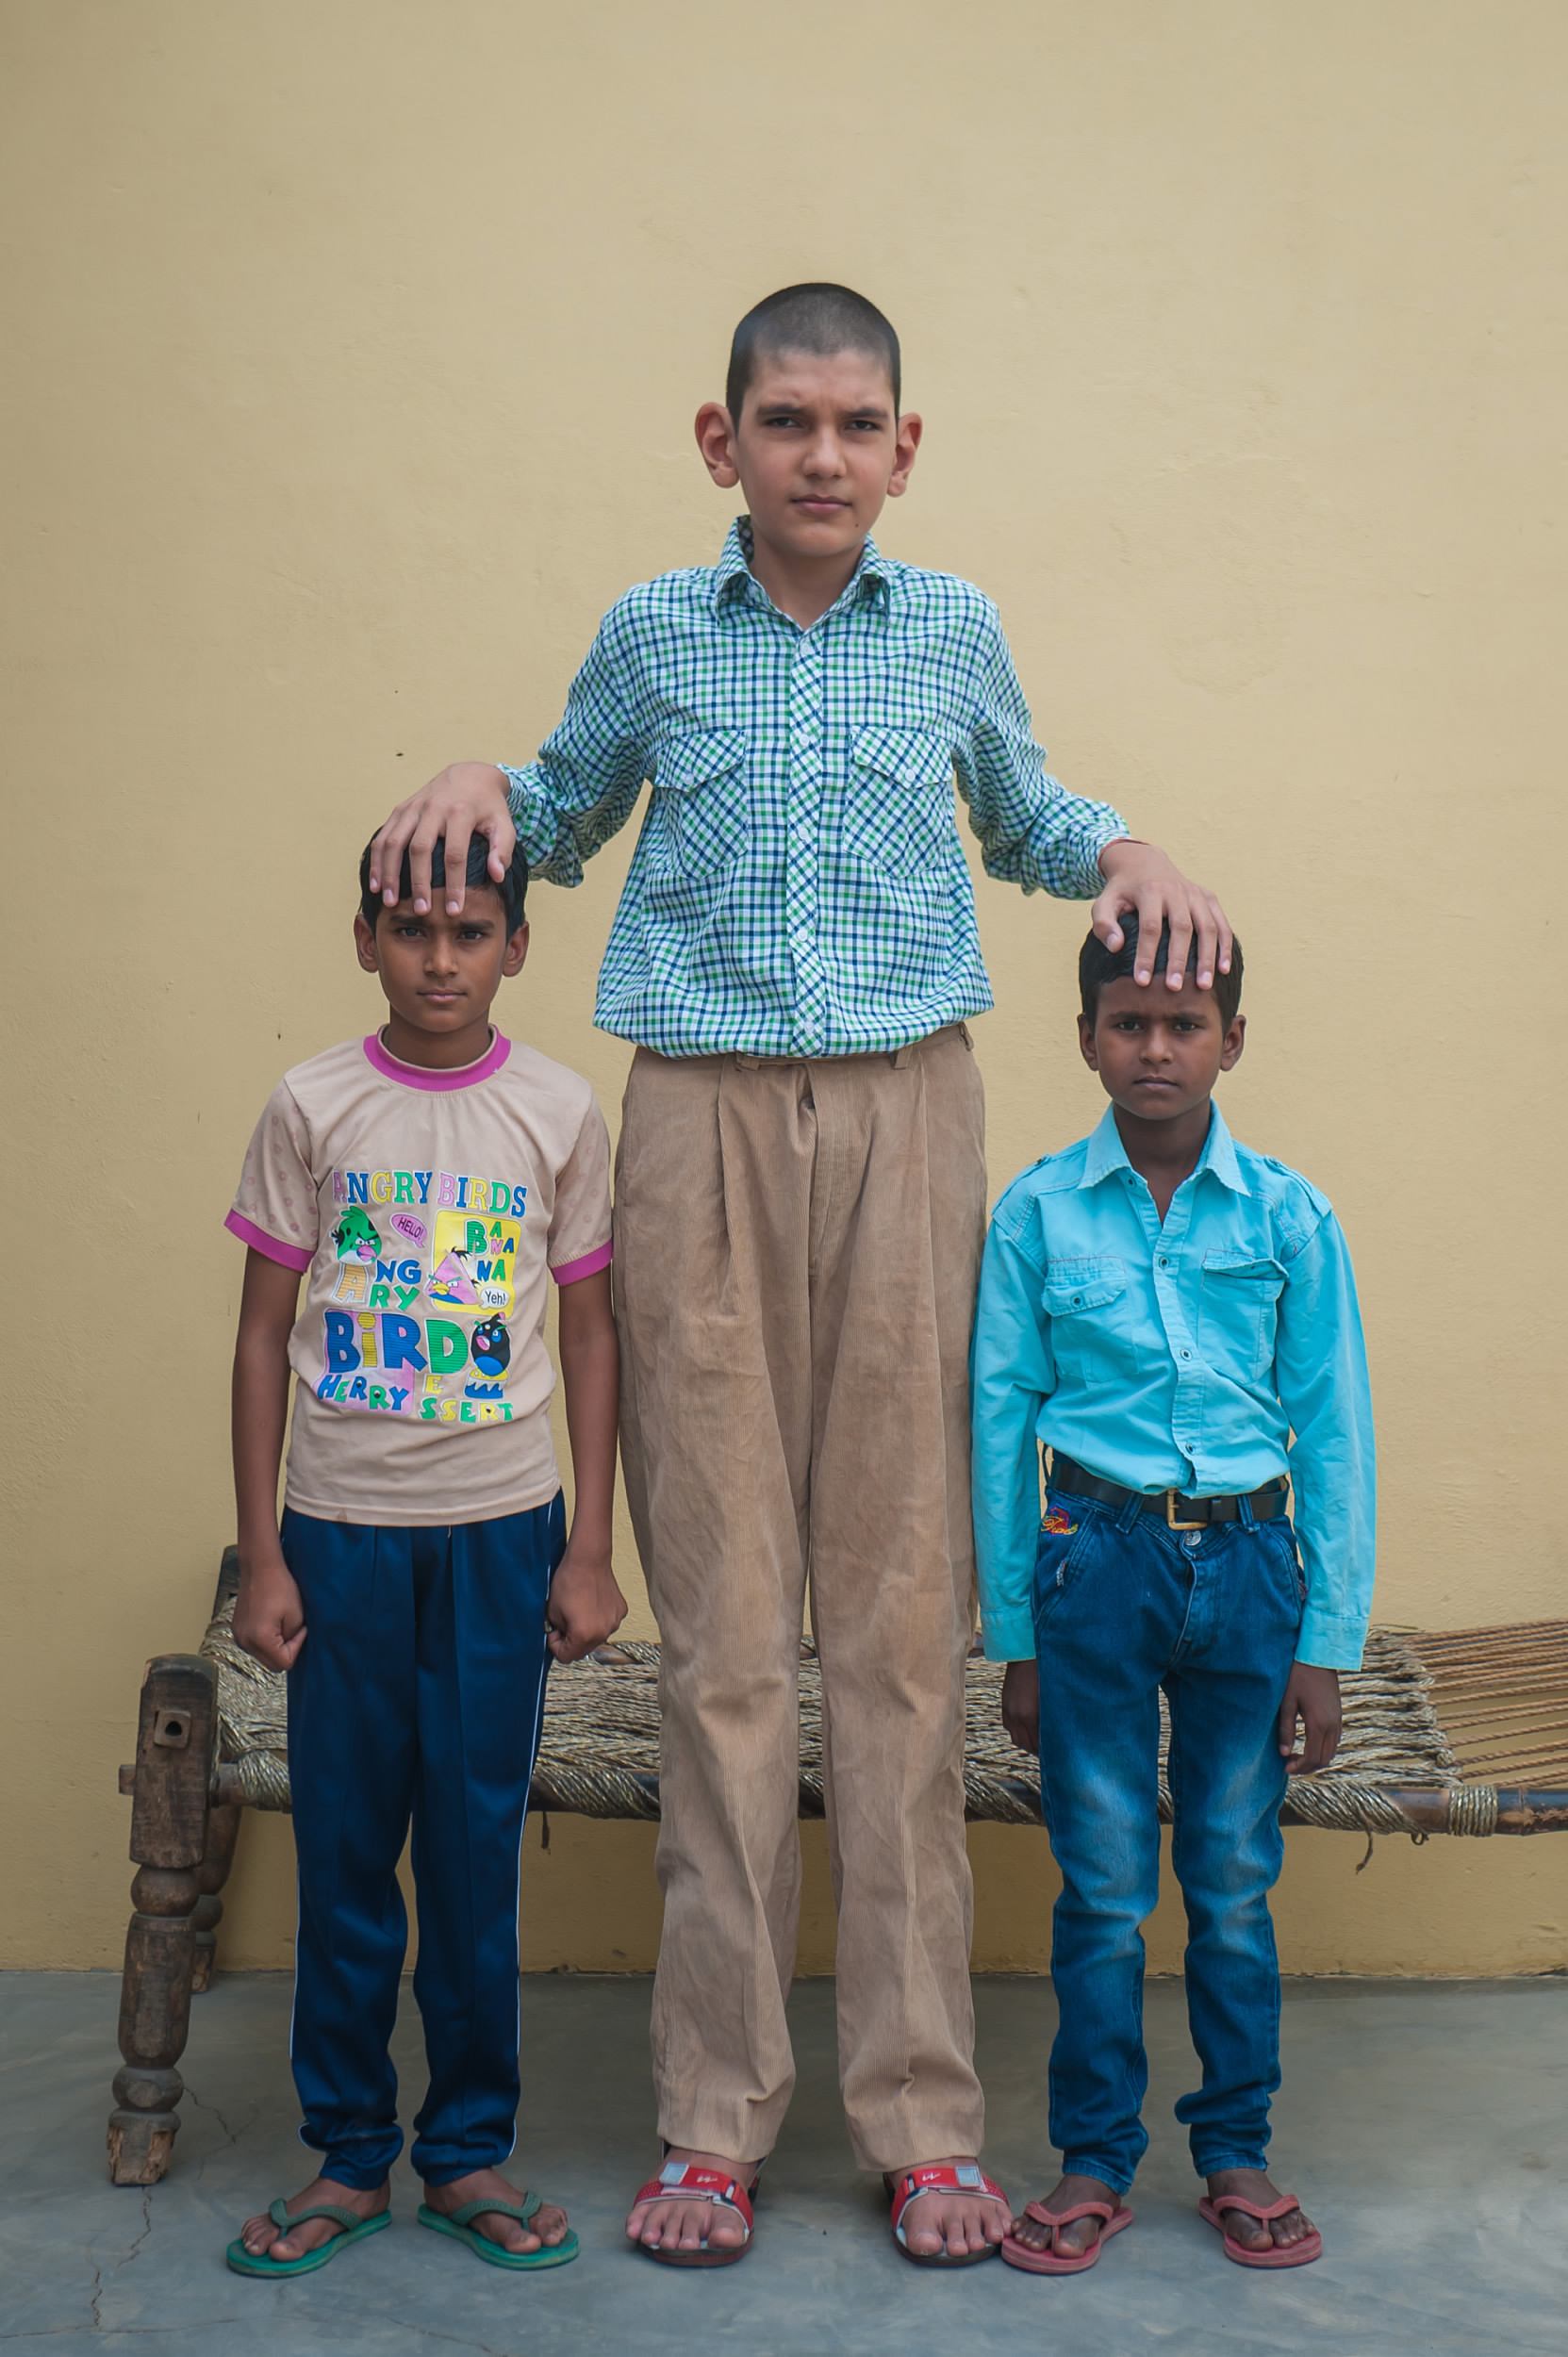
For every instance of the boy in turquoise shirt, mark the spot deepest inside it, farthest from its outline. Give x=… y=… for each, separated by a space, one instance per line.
x=1174 y=1317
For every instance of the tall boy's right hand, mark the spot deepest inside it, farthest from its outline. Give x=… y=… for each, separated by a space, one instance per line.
x=1020 y=1704
x=269 y=1615
x=467 y=798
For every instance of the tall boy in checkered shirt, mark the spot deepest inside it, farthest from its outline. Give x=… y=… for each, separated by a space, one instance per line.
x=800 y=1207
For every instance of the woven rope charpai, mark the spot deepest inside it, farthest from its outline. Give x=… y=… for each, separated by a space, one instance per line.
x=599 y=1754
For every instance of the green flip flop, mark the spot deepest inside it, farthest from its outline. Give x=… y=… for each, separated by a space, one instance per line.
x=354 y=2224
x=495 y=2254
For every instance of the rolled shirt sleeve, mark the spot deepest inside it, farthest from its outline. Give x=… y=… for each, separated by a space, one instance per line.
x=1031 y=830
x=1324 y=1387
x=1012 y=1374
x=584 y=784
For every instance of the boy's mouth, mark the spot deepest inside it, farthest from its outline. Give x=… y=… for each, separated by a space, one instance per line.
x=817 y=504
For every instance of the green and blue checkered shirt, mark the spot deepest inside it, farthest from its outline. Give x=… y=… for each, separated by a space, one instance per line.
x=798 y=887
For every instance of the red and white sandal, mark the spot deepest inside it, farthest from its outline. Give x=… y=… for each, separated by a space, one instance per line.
x=941 y=2177
x=1019 y=2254
x=1295 y=2255
x=684 y=2181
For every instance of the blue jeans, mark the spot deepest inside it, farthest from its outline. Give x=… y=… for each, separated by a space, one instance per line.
x=1124 y=1605
x=416 y=1700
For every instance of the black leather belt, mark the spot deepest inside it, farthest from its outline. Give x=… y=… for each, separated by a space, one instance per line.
x=1176 y=1511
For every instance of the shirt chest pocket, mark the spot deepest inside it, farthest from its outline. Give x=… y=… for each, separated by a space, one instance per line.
x=1237 y=1311
x=701 y=804
x=1091 y=1333
x=899 y=799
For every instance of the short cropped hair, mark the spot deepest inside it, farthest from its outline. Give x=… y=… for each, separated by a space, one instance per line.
x=513 y=886
x=818 y=318
x=1098 y=965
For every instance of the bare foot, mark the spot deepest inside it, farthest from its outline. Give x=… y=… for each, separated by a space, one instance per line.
x=681 y=2223
x=548 y=2226
x=1068 y=2242
x=264 y=2241
x=1252 y=2233
x=962 y=2224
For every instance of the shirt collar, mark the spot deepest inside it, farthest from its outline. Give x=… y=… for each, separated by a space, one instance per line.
x=733 y=582
x=1107 y=1154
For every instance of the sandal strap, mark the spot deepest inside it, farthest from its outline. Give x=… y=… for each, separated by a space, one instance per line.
x=281 y=2214
x=523 y=2210
x=1042 y=2216
x=1262 y=2211
x=684 y=2181
x=944 y=2177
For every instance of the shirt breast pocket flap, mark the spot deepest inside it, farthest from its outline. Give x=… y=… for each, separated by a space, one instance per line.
x=899 y=806
x=1239 y=1289
x=1085 y=1301
x=699 y=787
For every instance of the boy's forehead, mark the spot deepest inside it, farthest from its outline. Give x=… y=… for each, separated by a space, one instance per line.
x=479 y=901
x=1126 y=997
x=850 y=379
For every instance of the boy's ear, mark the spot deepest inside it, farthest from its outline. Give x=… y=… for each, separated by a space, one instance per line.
x=910 y=428
x=1235 y=1040
x=517 y=950
x=364 y=942
x=716 y=440
x=1086 y=1043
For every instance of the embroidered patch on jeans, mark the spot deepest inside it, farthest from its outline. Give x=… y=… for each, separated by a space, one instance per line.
x=1057 y=1524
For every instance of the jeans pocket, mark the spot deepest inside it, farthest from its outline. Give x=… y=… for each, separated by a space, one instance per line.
x=1066 y=1531
x=1280 y=1544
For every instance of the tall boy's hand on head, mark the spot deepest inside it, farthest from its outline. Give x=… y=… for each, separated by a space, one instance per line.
x=1141 y=878
x=467 y=798
x=1311 y=1696
x=586 y=1606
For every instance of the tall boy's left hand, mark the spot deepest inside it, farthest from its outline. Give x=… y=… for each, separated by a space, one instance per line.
x=586 y=1606
x=1311 y=1696
x=1141 y=878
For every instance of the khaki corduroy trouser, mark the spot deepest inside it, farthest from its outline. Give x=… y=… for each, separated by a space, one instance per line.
x=797 y=1252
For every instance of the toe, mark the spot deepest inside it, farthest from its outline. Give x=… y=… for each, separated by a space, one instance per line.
x=549 y=2225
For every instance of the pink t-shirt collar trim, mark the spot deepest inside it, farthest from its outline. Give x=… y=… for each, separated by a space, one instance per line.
x=414 y=1076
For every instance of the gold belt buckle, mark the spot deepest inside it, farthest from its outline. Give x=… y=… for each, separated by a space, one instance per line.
x=1173 y=1522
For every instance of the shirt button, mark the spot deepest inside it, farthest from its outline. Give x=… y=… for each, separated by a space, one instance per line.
x=1078 y=1301
x=1186 y=1354
x=1164 y=1262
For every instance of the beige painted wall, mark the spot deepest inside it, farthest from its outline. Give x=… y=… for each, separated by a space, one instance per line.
x=361 y=341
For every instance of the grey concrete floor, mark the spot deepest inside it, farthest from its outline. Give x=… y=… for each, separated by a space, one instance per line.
x=1426 y=2124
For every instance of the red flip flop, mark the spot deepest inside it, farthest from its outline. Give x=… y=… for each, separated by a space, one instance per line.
x=941 y=2177
x=1295 y=2254
x=684 y=2181
x=1019 y=2254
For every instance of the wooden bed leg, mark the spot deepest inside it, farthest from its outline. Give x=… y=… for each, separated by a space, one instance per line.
x=222 y=1831
x=176 y=1741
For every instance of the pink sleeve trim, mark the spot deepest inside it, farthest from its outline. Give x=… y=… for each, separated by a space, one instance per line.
x=293 y=1256
x=572 y=1272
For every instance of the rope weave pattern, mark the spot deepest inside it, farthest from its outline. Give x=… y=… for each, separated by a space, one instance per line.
x=599 y=1754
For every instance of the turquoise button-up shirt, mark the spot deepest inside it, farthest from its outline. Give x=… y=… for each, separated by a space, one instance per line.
x=798 y=887
x=1175 y=1357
